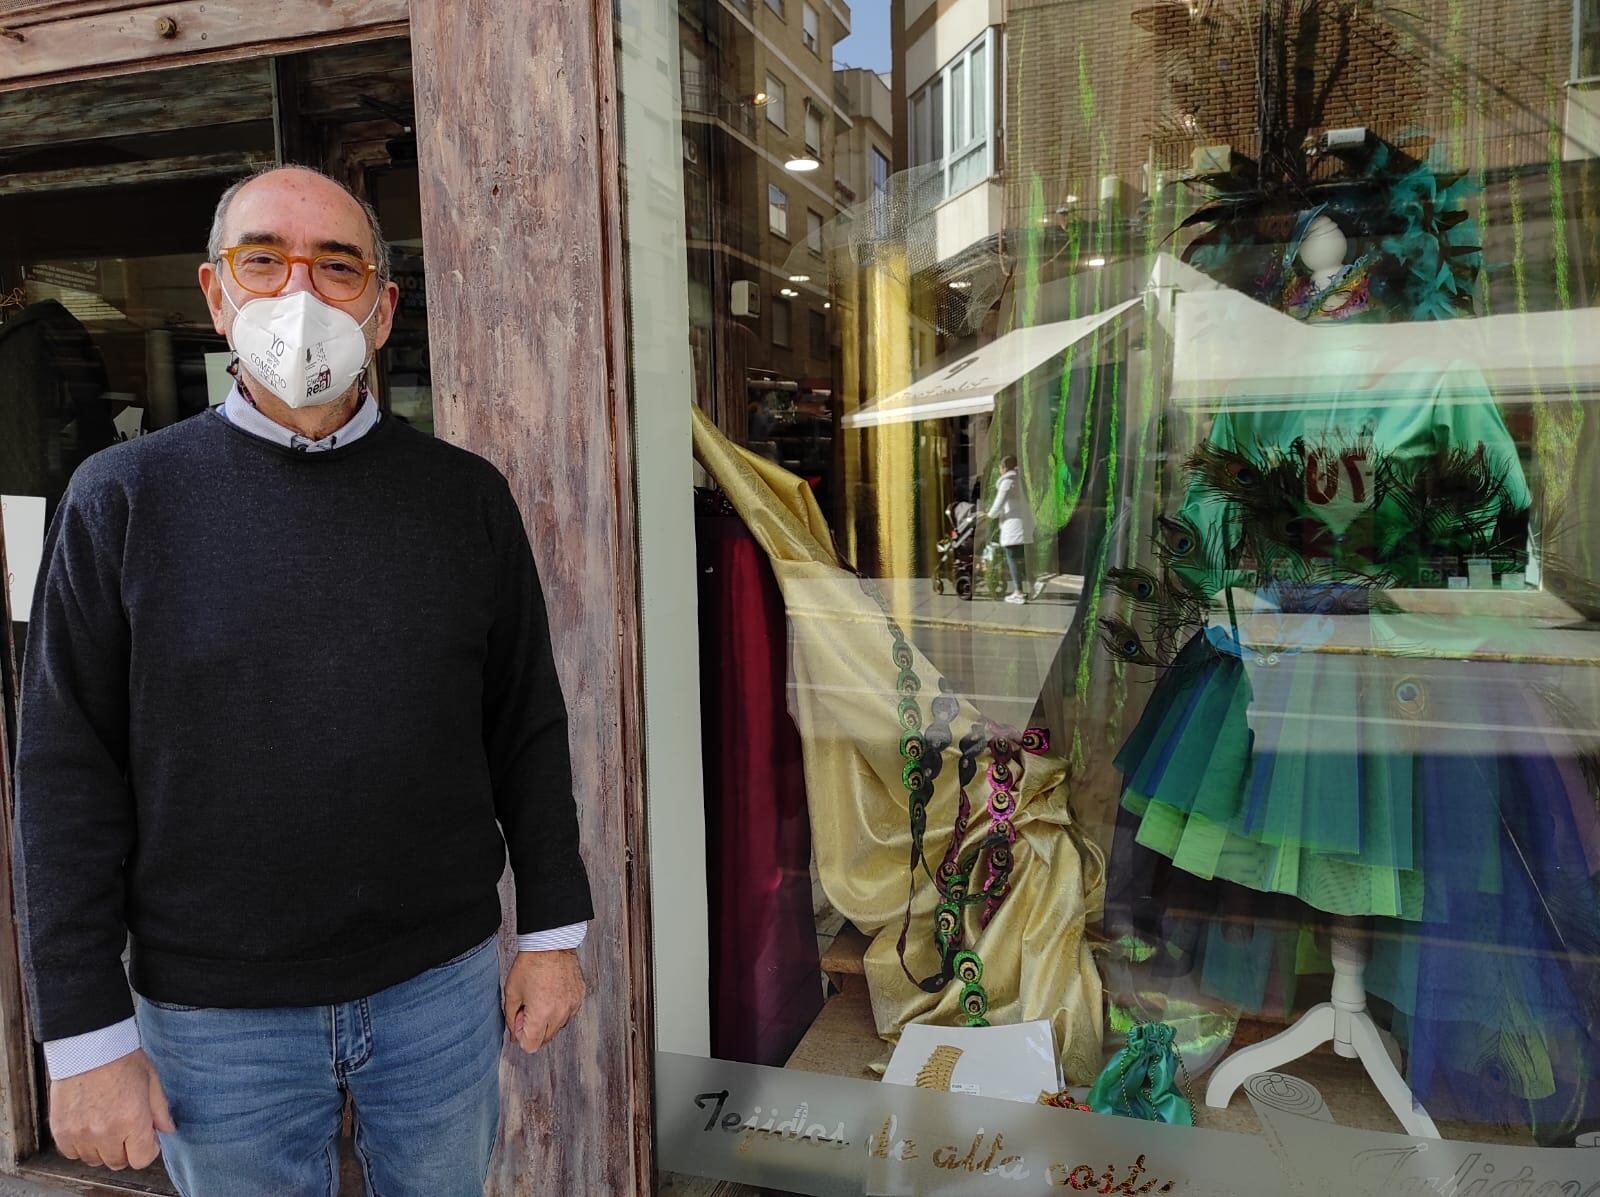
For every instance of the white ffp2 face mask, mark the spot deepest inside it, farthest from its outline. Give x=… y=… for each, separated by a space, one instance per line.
x=301 y=349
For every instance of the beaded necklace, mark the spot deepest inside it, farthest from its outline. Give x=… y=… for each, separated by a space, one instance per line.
x=992 y=858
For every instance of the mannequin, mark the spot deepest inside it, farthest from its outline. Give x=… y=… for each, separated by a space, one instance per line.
x=1241 y=795
x=1343 y=1021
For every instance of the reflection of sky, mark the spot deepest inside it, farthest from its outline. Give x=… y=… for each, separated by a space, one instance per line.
x=868 y=43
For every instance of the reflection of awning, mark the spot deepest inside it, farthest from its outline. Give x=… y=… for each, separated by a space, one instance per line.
x=968 y=385
x=1229 y=350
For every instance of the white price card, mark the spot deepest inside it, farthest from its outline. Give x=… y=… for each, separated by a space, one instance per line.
x=23 y=521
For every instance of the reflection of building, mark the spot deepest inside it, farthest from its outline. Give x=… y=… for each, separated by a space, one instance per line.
x=1092 y=142
x=866 y=145
x=761 y=115
x=930 y=282
x=1055 y=170
x=1096 y=145
x=954 y=74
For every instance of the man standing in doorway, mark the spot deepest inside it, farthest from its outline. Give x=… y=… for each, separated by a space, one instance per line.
x=288 y=705
x=1011 y=508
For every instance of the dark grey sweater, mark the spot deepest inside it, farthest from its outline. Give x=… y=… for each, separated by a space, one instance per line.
x=283 y=715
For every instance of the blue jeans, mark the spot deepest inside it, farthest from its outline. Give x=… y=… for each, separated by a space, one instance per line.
x=257 y=1094
x=1017 y=567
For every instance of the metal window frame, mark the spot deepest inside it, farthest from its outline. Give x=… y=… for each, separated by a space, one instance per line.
x=982 y=133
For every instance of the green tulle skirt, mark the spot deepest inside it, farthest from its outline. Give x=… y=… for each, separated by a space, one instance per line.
x=1283 y=773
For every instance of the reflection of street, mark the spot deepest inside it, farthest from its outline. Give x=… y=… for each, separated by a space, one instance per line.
x=994 y=653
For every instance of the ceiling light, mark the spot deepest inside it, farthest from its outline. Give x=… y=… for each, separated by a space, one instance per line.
x=799 y=278
x=826 y=306
x=760 y=98
x=802 y=165
x=961 y=284
x=1097 y=262
x=788 y=293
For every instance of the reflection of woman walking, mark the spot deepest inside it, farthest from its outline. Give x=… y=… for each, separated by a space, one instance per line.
x=1010 y=507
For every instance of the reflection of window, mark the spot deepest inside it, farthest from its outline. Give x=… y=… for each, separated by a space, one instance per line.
x=813 y=231
x=776 y=112
x=808 y=29
x=927 y=124
x=780 y=323
x=693 y=70
x=819 y=334
x=776 y=6
x=950 y=125
x=813 y=129
x=880 y=196
x=697 y=202
x=777 y=210
x=1586 y=39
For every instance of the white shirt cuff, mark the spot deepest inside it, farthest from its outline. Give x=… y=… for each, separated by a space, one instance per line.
x=554 y=940
x=80 y=1053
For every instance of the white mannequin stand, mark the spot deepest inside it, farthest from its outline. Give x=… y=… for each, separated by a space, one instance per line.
x=1345 y=1023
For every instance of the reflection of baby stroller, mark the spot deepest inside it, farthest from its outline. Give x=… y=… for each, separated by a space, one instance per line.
x=957 y=566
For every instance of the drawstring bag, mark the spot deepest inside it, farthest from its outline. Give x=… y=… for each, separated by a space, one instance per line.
x=1142 y=1079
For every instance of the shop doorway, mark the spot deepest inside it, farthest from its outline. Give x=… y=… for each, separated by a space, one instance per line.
x=107 y=190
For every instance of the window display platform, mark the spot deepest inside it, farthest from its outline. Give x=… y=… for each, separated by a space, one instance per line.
x=844 y=1042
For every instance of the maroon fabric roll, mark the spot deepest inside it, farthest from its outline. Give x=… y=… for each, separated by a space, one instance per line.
x=766 y=986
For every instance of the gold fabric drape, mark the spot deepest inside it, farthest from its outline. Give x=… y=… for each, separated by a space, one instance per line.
x=1037 y=964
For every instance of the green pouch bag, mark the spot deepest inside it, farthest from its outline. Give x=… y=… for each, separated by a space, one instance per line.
x=1142 y=1079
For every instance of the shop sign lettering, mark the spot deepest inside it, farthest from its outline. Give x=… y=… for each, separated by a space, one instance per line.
x=808 y=1133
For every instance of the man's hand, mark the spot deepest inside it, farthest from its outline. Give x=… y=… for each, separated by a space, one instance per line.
x=543 y=992
x=109 y=1115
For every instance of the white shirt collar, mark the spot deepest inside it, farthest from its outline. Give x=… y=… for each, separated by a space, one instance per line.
x=242 y=414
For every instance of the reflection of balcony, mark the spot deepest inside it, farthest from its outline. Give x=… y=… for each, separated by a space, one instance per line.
x=710 y=96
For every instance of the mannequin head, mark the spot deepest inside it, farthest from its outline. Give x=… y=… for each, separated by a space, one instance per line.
x=1323 y=249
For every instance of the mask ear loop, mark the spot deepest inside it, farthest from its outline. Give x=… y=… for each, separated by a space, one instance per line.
x=365 y=392
x=236 y=372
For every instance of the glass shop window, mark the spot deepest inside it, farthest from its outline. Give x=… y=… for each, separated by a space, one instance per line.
x=1143 y=666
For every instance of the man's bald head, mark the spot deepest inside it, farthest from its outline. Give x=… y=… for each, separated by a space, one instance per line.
x=292 y=183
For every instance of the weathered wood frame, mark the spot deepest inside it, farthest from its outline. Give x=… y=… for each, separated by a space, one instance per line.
x=521 y=207
x=518 y=135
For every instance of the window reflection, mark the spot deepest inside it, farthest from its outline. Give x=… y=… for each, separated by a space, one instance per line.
x=1182 y=579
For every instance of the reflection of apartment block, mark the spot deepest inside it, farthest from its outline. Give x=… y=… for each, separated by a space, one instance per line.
x=865 y=149
x=1107 y=97
x=954 y=68
x=760 y=121
x=1110 y=101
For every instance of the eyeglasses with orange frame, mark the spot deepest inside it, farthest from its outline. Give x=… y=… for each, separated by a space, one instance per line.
x=265 y=270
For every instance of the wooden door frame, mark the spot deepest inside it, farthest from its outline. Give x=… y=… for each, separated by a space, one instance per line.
x=518 y=135
x=78 y=39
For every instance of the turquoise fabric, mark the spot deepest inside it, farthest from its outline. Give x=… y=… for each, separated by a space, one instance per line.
x=1142 y=1079
x=1415 y=410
